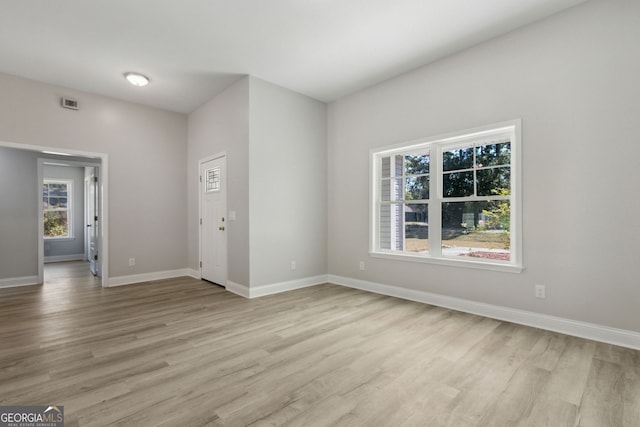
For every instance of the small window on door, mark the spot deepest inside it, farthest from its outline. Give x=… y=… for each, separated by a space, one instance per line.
x=212 y=180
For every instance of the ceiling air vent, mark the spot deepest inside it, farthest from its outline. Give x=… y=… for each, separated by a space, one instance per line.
x=72 y=104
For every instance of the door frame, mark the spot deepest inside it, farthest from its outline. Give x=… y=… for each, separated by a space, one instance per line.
x=102 y=245
x=200 y=186
x=89 y=221
x=86 y=183
x=103 y=194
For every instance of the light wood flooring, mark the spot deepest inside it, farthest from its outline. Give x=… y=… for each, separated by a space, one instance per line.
x=183 y=352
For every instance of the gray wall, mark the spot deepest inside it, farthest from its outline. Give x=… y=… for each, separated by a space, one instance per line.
x=220 y=125
x=75 y=245
x=18 y=213
x=275 y=141
x=147 y=151
x=573 y=79
x=288 y=184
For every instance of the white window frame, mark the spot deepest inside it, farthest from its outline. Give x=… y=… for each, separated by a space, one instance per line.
x=69 y=208
x=436 y=145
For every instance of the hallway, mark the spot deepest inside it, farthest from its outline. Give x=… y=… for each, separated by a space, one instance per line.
x=69 y=275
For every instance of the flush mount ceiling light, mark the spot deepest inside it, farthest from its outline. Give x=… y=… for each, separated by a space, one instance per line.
x=136 y=79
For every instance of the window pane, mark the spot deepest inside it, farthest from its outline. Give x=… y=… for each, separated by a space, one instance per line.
x=416 y=165
x=57 y=202
x=493 y=154
x=461 y=158
x=457 y=184
x=212 y=180
x=397 y=165
x=416 y=228
x=385 y=190
x=385 y=227
x=385 y=167
x=391 y=189
x=391 y=227
x=391 y=166
x=417 y=188
x=45 y=190
x=494 y=181
x=58 y=189
x=56 y=224
x=477 y=229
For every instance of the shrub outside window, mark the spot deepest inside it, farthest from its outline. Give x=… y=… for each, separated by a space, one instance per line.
x=453 y=199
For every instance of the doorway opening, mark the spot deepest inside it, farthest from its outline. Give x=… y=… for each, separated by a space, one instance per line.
x=70 y=213
x=27 y=256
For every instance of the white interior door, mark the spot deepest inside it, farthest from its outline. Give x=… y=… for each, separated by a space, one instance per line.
x=92 y=221
x=213 y=220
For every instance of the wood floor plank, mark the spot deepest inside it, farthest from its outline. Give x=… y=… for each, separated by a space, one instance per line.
x=570 y=375
x=185 y=352
x=603 y=400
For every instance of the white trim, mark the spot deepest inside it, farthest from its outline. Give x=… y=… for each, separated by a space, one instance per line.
x=194 y=273
x=462 y=135
x=237 y=288
x=275 y=288
x=103 y=237
x=62 y=258
x=13 y=282
x=605 y=334
x=449 y=261
x=148 y=277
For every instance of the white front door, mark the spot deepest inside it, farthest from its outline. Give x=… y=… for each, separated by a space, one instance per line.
x=213 y=220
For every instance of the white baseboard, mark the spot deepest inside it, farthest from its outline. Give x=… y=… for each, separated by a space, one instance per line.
x=194 y=273
x=19 y=281
x=274 y=288
x=620 y=337
x=237 y=289
x=147 y=277
x=61 y=258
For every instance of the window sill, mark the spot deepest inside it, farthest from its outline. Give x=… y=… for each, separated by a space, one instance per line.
x=451 y=262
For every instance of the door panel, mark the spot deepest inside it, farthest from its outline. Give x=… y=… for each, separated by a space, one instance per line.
x=213 y=229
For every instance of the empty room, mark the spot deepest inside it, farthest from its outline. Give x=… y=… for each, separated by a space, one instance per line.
x=318 y=213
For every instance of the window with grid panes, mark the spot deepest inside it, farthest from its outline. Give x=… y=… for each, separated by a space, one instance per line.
x=453 y=200
x=56 y=199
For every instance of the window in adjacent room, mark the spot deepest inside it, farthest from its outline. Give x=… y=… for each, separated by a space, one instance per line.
x=452 y=200
x=56 y=198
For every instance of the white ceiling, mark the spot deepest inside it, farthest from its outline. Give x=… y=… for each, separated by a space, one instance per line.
x=193 y=49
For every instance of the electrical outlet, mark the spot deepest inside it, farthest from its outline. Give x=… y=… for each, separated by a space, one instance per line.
x=293 y=265
x=361 y=265
x=541 y=291
x=132 y=262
